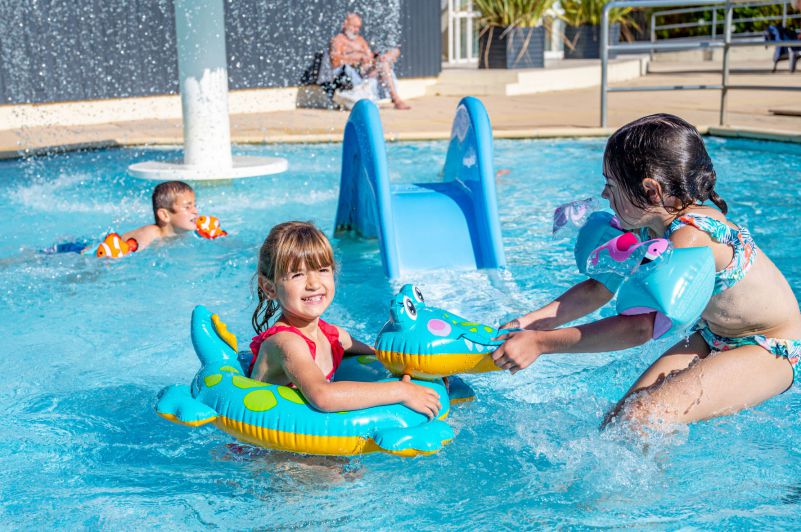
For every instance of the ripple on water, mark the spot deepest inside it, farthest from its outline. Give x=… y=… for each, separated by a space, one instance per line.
x=88 y=345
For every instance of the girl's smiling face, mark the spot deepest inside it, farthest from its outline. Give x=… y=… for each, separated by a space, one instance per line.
x=305 y=293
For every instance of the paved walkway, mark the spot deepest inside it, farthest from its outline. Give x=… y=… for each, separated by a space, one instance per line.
x=574 y=112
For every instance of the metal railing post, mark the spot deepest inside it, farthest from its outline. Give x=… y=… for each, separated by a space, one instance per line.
x=784 y=15
x=451 y=46
x=604 y=60
x=653 y=32
x=714 y=23
x=726 y=49
x=470 y=33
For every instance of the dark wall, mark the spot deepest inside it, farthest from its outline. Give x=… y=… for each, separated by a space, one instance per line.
x=57 y=50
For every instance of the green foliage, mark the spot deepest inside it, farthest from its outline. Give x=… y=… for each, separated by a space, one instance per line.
x=520 y=13
x=706 y=16
x=578 y=12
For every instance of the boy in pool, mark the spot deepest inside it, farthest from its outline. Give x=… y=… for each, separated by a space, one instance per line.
x=174 y=212
x=746 y=346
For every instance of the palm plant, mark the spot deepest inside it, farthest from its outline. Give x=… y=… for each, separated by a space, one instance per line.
x=520 y=13
x=579 y=12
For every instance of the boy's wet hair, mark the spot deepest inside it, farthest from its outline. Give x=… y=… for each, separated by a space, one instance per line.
x=290 y=246
x=165 y=194
x=667 y=149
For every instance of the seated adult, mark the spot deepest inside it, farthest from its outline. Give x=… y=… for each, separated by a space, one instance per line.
x=350 y=52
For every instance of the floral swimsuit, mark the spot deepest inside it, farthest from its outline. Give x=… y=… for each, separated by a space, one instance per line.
x=745 y=253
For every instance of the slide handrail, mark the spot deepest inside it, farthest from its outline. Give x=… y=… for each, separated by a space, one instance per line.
x=469 y=162
x=364 y=195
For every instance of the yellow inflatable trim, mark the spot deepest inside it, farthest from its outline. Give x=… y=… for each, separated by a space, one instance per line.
x=222 y=330
x=305 y=443
x=171 y=417
x=432 y=366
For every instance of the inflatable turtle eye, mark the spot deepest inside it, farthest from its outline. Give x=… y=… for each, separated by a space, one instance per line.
x=408 y=304
x=418 y=295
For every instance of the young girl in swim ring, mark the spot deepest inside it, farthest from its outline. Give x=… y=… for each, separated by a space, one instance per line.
x=746 y=347
x=296 y=278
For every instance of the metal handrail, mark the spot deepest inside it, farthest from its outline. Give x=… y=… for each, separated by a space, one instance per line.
x=726 y=45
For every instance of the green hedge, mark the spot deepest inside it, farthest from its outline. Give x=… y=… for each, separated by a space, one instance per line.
x=739 y=27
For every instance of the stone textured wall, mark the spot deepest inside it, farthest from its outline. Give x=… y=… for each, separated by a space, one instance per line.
x=61 y=50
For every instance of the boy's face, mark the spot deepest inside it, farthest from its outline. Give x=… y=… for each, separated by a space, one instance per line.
x=183 y=212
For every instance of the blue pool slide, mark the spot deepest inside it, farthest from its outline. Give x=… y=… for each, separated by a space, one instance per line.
x=451 y=223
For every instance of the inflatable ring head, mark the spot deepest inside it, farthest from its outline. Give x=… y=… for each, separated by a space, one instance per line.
x=676 y=286
x=428 y=342
x=279 y=417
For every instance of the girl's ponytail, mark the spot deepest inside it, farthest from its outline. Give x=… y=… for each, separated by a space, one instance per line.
x=265 y=309
x=717 y=200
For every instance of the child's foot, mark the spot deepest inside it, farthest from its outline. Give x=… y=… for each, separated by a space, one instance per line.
x=400 y=104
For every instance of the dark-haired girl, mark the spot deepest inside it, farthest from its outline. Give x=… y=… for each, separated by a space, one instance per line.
x=746 y=347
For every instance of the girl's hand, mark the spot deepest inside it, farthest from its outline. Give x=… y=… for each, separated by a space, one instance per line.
x=519 y=350
x=420 y=398
x=513 y=324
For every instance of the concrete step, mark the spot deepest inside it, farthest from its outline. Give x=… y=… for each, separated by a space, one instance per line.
x=562 y=74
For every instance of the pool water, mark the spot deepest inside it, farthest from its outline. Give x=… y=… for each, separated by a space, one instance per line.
x=87 y=345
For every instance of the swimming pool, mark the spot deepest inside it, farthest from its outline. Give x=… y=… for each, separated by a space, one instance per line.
x=88 y=344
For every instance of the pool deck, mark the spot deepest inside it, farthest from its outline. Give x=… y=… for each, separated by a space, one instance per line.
x=545 y=114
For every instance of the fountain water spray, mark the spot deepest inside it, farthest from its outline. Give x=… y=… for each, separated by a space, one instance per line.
x=203 y=75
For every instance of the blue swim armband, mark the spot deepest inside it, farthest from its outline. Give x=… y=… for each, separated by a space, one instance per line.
x=677 y=286
x=598 y=230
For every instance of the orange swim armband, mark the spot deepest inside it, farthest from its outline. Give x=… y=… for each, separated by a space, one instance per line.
x=114 y=247
x=209 y=227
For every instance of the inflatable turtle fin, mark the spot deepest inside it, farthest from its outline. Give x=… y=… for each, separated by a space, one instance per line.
x=211 y=338
x=459 y=391
x=427 y=438
x=222 y=331
x=175 y=403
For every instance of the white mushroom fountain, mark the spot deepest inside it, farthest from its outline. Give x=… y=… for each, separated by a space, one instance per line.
x=203 y=75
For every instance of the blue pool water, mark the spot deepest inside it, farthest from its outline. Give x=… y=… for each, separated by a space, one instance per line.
x=87 y=344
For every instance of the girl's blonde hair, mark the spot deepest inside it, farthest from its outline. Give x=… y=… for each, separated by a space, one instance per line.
x=289 y=247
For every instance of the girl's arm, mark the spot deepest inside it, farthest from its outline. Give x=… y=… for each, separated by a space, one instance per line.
x=353 y=346
x=344 y=395
x=581 y=299
x=522 y=348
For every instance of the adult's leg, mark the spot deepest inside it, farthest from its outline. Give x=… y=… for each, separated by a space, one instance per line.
x=678 y=358
x=388 y=80
x=722 y=383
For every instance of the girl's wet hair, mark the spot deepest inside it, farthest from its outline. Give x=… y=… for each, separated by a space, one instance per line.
x=667 y=149
x=290 y=246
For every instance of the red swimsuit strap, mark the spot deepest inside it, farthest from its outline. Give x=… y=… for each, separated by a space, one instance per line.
x=337 y=351
x=330 y=332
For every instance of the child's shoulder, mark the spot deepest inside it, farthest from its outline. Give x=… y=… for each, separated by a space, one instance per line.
x=697 y=225
x=144 y=235
x=330 y=329
x=284 y=339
